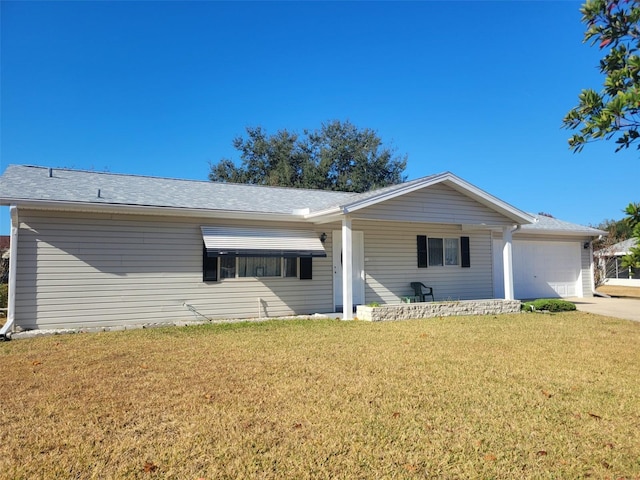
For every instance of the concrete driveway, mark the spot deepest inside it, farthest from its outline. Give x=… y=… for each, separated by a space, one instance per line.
x=627 y=308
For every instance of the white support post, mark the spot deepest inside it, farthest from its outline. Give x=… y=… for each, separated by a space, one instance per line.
x=347 y=270
x=7 y=328
x=507 y=262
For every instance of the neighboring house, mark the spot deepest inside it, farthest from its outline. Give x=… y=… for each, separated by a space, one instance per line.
x=610 y=265
x=102 y=249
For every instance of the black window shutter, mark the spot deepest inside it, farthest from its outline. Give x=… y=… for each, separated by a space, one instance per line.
x=209 y=267
x=422 y=251
x=306 y=268
x=465 y=252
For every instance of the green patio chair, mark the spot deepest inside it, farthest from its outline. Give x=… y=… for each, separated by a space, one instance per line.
x=421 y=291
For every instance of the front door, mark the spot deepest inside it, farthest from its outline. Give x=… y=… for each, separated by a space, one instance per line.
x=358 y=268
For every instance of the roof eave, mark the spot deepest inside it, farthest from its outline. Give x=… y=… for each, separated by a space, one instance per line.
x=558 y=232
x=147 y=210
x=326 y=215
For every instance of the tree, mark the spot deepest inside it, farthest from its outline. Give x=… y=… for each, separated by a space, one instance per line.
x=633 y=220
x=617 y=231
x=337 y=156
x=614 y=111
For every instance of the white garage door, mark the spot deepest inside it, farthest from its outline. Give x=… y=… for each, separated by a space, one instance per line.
x=540 y=269
x=546 y=269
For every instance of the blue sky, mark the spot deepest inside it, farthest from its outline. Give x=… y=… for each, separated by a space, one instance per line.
x=477 y=88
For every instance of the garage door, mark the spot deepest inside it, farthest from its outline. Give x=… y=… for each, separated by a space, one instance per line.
x=546 y=269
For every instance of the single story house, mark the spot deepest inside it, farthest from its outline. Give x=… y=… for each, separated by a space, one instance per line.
x=103 y=249
x=609 y=260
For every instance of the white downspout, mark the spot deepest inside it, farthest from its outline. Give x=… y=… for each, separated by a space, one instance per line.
x=7 y=328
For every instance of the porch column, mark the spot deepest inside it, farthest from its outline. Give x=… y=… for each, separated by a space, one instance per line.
x=7 y=328
x=507 y=262
x=347 y=270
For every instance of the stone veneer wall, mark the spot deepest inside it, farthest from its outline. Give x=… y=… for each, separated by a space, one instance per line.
x=406 y=311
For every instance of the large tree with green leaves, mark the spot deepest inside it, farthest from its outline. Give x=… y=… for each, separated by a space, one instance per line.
x=633 y=220
x=617 y=231
x=336 y=156
x=615 y=110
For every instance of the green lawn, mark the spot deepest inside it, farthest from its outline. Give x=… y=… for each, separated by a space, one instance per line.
x=513 y=396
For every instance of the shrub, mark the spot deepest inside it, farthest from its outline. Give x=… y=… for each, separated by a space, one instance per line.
x=549 y=304
x=4 y=296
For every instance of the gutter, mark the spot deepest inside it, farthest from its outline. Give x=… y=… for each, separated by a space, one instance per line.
x=119 y=208
x=562 y=233
x=7 y=328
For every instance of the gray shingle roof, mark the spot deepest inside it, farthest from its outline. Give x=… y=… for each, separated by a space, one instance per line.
x=618 y=249
x=25 y=182
x=550 y=224
x=21 y=182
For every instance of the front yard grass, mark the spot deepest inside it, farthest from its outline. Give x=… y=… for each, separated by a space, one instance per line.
x=511 y=396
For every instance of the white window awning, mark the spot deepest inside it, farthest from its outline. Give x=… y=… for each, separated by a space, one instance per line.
x=261 y=242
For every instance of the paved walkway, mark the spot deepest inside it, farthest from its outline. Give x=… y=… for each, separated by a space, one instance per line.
x=627 y=308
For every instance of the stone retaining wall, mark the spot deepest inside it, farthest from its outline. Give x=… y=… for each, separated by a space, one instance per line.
x=406 y=311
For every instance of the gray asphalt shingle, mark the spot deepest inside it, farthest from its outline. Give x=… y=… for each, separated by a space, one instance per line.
x=25 y=182
x=33 y=183
x=550 y=224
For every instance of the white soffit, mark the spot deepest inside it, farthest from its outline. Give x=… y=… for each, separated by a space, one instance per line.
x=261 y=242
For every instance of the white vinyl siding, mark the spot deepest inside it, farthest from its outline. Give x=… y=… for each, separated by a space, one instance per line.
x=390 y=263
x=586 y=266
x=83 y=270
x=436 y=204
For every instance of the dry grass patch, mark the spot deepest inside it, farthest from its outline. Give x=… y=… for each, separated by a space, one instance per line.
x=620 y=291
x=521 y=396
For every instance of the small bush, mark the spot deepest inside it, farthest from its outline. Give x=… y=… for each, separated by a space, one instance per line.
x=4 y=296
x=549 y=305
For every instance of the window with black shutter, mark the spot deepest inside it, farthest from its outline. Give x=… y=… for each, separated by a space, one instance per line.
x=306 y=268
x=209 y=267
x=465 y=252
x=443 y=252
x=422 y=251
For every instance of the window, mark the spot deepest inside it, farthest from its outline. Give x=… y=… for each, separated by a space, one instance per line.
x=259 y=266
x=227 y=267
x=443 y=252
x=290 y=267
x=256 y=252
x=451 y=251
x=243 y=267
